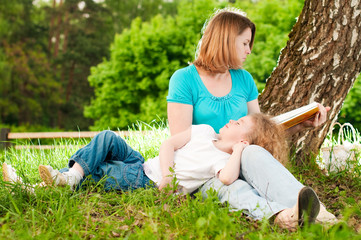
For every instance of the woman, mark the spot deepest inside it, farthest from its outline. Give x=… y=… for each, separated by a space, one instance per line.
x=213 y=90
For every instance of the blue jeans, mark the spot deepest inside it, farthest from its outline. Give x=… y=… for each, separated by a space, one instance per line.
x=265 y=186
x=109 y=157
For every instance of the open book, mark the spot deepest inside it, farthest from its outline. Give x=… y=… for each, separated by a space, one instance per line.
x=296 y=116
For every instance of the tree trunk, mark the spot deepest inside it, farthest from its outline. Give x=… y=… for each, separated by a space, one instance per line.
x=58 y=30
x=320 y=63
x=51 y=28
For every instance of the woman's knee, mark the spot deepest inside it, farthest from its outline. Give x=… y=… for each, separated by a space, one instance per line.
x=255 y=155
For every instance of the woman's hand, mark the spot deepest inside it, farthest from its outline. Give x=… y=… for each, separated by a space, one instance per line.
x=319 y=119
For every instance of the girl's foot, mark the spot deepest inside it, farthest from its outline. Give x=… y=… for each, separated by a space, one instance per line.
x=9 y=174
x=53 y=177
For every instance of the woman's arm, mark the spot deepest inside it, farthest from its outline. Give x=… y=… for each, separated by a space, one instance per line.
x=253 y=106
x=166 y=154
x=180 y=117
x=230 y=172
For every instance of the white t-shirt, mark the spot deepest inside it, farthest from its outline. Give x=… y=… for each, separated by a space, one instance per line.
x=194 y=163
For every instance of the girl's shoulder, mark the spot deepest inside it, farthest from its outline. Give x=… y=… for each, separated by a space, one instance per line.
x=203 y=130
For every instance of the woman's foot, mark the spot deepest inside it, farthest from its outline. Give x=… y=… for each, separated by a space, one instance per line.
x=325 y=217
x=306 y=210
x=9 y=174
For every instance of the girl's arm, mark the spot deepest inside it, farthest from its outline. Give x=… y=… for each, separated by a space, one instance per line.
x=180 y=117
x=166 y=154
x=230 y=172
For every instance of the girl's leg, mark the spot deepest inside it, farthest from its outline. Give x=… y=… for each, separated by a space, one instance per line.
x=107 y=155
x=104 y=147
x=9 y=175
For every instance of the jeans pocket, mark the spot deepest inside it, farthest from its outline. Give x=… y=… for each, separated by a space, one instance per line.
x=134 y=176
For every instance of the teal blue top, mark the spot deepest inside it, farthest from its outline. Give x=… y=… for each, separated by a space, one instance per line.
x=186 y=87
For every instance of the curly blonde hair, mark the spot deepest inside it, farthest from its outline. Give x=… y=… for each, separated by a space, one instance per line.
x=269 y=135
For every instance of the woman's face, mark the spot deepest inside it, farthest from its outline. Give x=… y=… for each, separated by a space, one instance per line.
x=243 y=47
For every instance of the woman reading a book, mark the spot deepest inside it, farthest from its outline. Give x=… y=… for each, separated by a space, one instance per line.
x=215 y=89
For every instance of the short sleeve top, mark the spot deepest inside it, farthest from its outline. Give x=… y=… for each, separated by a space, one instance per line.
x=194 y=163
x=187 y=87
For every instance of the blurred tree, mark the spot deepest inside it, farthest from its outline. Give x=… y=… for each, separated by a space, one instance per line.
x=123 y=12
x=26 y=78
x=80 y=32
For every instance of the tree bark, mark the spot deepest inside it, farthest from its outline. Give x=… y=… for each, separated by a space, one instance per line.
x=320 y=63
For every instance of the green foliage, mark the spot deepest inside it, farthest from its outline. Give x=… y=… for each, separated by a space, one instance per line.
x=274 y=21
x=132 y=85
x=349 y=111
x=46 y=52
x=25 y=75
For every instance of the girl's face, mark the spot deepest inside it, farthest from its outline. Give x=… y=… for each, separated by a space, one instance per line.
x=243 y=47
x=237 y=130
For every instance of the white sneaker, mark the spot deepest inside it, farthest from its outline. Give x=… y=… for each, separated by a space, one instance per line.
x=9 y=174
x=51 y=177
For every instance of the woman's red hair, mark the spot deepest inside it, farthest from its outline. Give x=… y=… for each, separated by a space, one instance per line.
x=217 y=48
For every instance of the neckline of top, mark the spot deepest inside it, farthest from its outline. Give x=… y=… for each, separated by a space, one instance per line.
x=215 y=98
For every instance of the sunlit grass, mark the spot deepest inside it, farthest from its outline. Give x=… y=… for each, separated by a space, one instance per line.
x=59 y=213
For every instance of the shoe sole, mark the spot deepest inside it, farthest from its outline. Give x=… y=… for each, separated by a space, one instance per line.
x=46 y=175
x=6 y=176
x=308 y=205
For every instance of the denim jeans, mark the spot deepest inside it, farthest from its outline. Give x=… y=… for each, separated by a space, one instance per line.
x=264 y=188
x=109 y=157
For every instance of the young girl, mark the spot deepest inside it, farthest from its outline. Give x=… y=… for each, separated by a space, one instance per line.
x=196 y=155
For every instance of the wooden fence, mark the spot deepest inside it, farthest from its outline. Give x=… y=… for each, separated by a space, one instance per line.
x=7 y=138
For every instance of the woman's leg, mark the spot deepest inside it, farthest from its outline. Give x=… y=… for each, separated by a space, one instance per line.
x=243 y=197
x=273 y=181
x=269 y=177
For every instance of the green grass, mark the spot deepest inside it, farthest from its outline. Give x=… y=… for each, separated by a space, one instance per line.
x=92 y=213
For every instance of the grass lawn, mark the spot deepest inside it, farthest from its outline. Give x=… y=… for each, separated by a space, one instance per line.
x=59 y=213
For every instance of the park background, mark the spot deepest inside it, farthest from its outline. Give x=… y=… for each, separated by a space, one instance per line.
x=79 y=65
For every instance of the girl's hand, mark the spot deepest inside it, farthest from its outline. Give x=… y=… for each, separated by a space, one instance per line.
x=240 y=146
x=166 y=181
